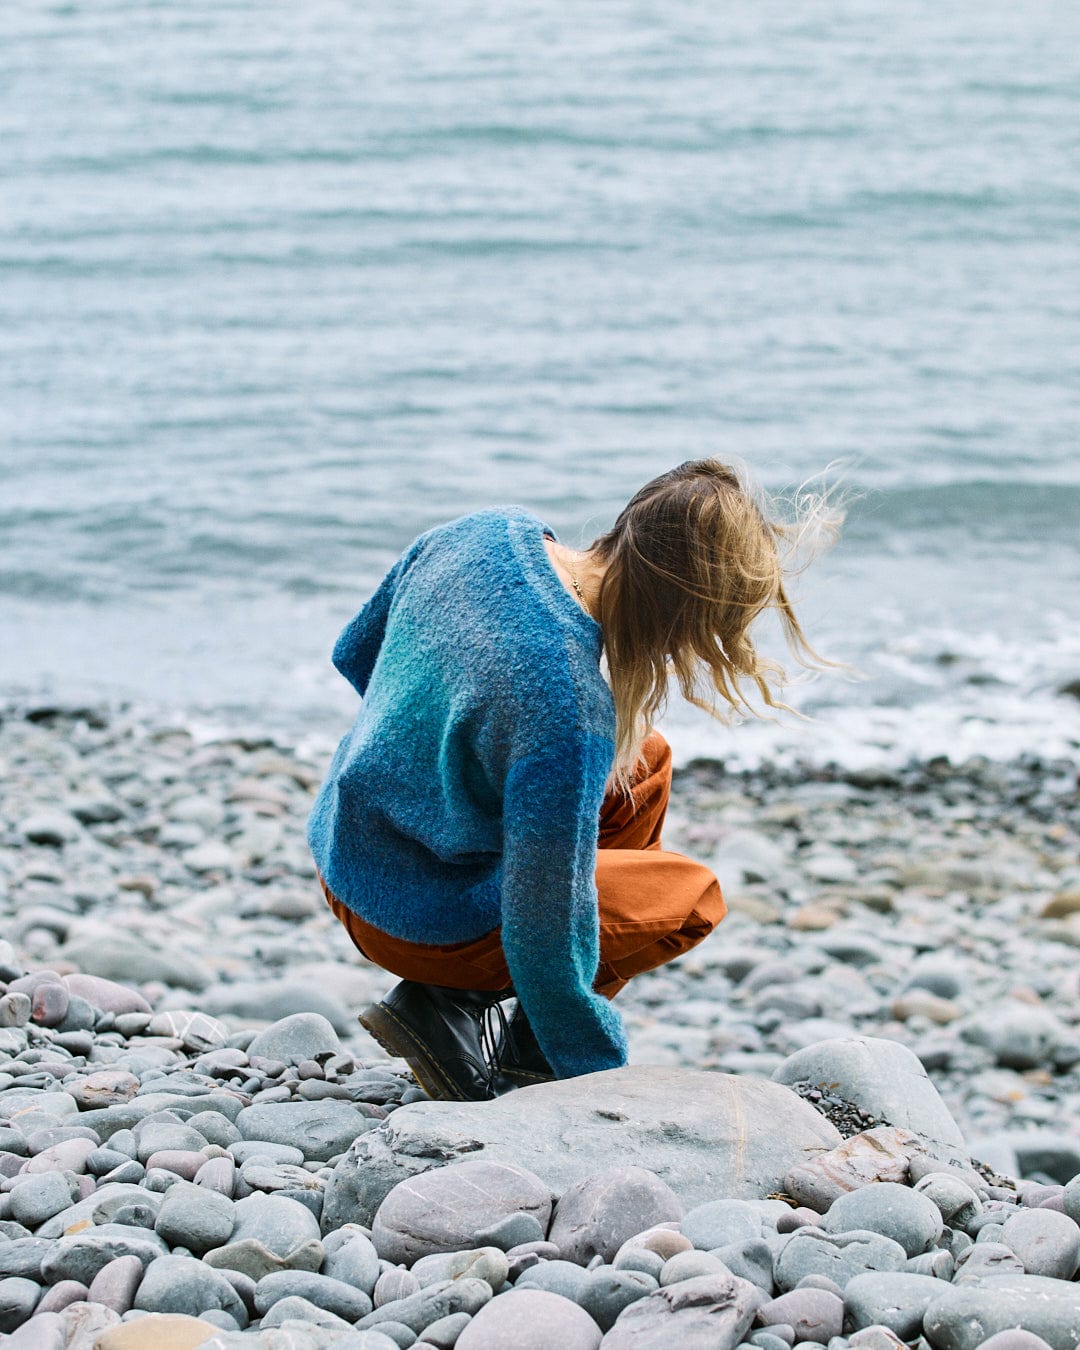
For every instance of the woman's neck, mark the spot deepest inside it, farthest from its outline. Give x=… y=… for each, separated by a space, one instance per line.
x=581 y=572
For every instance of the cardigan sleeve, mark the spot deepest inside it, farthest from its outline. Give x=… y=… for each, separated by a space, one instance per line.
x=550 y=919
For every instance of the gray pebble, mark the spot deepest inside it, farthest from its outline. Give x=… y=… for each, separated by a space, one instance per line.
x=396 y=1333
x=768 y=1340
x=985 y=1259
x=81 y=1256
x=181 y=1284
x=18 y=1298
x=530 y=1319
x=595 y=1216
x=895 y=1299
x=440 y=1210
x=355 y=1261
x=1046 y=1242
x=957 y=1203
x=640 y=1258
x=565 y=1278
x=813 y=1314
x=115 y=1285
x=397 y=1283
x=894 y=1211
x=1071 y=1199
x=195 y=1217
x=840 y=1256
x=721 y=1222
x=301 y=1036
x=963 y=1318
x=438 y=1300
x=751 y=1260
x=688 y=1266
x=37 y=1198
x=320 y=1129
x=483 y=1263
x=444 y=1333
x=334 y=1295
x=510 y=1232
x=607 y=1292
x=297 y=1309
x=158 y=1136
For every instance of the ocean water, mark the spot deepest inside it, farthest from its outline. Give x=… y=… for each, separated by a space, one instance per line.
x=283 y=285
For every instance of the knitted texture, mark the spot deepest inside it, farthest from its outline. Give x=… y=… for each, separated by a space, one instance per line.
x=467 y=795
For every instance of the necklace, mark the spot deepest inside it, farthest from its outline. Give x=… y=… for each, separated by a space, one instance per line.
x=577 y=586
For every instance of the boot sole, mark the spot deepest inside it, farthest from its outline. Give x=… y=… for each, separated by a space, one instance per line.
x=399 y=1040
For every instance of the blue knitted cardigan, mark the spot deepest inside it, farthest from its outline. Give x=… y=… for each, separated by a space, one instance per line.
x=467 y=795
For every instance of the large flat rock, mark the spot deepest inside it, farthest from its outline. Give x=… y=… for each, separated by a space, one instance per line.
x=708 y=1135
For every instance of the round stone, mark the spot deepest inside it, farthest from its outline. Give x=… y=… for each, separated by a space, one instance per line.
x=956 y=1201
x=39 y=1196
x=840 y=1256
x=965 y=1317
x=165 y=1136
x=106 y=1087
x=195 y=1217
x=115 y=1284
x=1070 y=1199
x=106 y=994
x=281 y=1226
x=1014 y=1339
x=713 y=1310
x=894 y=1211
x=321 y=1129
x=1046 y=1242
x=18 y=1298
x=813 y=1314
x=894 y=1299
x=441 y=1210
x=482 y=1263
x=606 y=1293
x=325 y=1292
x=530 y=1319
x=302 y=1036
x=396 y=1283
x=510 y=1232
x=442 y=1334
x=565 y=1278
x=688 y=1266
x=597 y=1215
x=354 y=1261
x=180 y=1284
x=720 y=1222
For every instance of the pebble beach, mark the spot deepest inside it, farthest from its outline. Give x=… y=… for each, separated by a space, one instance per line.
x=851 y=1116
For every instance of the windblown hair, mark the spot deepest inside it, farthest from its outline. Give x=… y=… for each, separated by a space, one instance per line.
x=692 y=560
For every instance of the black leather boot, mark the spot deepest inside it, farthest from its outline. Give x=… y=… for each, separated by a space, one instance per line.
x=519 y=1061
x=443 y=1036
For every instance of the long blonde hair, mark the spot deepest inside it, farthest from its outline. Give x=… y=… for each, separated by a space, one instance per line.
x=690 y=563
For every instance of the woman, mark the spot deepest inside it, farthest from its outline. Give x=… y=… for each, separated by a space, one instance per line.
x=490 y=827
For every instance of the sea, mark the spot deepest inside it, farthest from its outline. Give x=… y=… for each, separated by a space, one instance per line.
x=284 y=284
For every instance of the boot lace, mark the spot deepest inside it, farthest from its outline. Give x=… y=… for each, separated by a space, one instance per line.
x=494 y=1032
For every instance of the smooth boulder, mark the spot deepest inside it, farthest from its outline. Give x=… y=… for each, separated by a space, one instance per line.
x=442 y=1211
x=703 y=1134
x=882 y=1077
x=965 y=1316
x=530 y=1319
x=597 y=1215
x=711 y=1312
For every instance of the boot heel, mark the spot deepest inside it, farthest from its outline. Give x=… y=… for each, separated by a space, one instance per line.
x=401 y=1042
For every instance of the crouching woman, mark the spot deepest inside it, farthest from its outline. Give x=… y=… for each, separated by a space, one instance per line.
x=490 y=827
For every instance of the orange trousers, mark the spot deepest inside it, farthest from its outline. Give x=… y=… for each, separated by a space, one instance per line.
x=654 y=905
